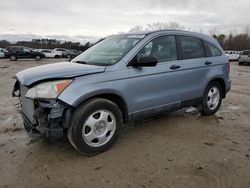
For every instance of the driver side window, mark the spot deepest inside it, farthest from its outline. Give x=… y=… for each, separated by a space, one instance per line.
x=162 y=48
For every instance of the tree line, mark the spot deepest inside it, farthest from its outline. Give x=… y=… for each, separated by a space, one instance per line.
x=237 y=42
x=231 y=41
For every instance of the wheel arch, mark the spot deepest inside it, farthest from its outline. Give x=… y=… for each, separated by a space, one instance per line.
x=222 y=83
x=111 y=96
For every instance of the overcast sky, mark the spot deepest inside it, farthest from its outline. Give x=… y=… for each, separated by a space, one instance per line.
x=104 y=17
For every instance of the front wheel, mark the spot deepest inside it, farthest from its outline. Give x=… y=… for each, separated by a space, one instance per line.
x=95 y=126
x=212 y=99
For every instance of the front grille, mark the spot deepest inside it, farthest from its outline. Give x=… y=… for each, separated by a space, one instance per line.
x=27 y=104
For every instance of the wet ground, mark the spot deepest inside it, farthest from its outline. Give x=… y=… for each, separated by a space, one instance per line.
x=181 y=149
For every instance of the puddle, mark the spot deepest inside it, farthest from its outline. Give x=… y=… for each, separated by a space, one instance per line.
x=233 y=108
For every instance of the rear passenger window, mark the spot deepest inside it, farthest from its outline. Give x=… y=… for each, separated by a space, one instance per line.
x=162 y=48
x=191 y=48
x=211 y=50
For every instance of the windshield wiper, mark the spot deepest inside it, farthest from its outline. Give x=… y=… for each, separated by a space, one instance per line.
x=91 y=63
x=82 y=62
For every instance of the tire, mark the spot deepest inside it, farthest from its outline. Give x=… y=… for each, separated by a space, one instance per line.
x=38 y=58
x=57 y=56
x=68 y=56
x=211 y=101
x=95 y=126
x=13 y=58
x=240 y=63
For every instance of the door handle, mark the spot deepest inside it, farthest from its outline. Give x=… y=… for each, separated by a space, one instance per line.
x=175 y=67
x=208 y=63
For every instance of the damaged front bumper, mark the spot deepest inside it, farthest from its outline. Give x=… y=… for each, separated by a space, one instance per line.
x=43 y=117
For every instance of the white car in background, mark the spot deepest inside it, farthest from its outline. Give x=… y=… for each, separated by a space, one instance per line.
x=48 y=53
x=1 y=52
x=59 y=51
x=245 y=57
x=232 y=55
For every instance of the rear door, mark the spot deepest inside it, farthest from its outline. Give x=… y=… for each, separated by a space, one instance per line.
x=194 y=68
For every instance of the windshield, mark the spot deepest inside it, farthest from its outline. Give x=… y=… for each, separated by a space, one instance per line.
x=108 y=51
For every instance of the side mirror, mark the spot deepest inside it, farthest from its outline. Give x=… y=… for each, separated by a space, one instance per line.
x=148 y=61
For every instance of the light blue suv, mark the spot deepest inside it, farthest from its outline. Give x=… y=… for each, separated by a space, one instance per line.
x=121 y=79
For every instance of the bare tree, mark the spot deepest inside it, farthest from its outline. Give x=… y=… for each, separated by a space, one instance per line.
x=157 y=26
x=136 y=28
x=164 y=25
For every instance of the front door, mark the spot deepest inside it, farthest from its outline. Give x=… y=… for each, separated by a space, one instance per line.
x=155 y=89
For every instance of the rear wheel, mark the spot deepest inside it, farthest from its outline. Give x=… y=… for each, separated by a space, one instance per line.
x=13 y=58
x=38 y=58
x=240 y=63
x=68 y=56
x=95 y=126
x=212 y=98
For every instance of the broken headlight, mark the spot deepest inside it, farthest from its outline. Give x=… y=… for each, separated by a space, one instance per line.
x=48 y=90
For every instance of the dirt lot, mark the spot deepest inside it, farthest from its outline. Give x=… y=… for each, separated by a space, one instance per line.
x=181 y=149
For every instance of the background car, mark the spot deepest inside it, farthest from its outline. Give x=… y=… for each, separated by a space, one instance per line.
x=22 y=52
x=59 y=51
x=232 y=55
x=48 y=53
x=70 y=53
x=245 y=57
x=1 y=52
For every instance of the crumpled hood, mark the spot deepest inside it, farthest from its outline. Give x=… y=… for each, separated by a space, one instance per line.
x=56 y=71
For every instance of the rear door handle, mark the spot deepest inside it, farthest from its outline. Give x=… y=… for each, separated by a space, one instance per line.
x=208 y=63
x=175 y=67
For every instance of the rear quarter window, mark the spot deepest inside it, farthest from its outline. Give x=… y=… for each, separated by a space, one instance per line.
x=191 y=47
x=212 y=50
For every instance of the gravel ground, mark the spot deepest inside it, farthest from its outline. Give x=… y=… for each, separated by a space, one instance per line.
x=180 y=149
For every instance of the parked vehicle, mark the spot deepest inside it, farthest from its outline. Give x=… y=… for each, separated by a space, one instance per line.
x=245 y=57
x=1 y=53
x=70 y=53
x=48 y=53
x=59 y=51
x=21 y=52
x=232 y=55
x=121 y=79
